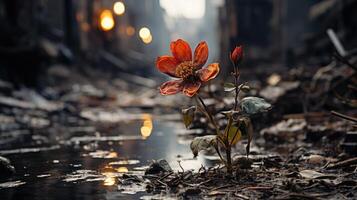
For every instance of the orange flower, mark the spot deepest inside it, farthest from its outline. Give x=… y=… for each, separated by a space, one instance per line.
x=190 y=73
x=237 y=54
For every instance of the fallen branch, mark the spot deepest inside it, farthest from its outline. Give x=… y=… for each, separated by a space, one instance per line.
x=345 y=163
x=344 y=116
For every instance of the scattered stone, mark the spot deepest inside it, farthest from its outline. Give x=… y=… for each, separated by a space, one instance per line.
x=6 y=169
x=315 y=159
x=158 y=166
x=243 y=163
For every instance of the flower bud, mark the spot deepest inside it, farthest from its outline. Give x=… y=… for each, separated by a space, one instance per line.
x=237 y=54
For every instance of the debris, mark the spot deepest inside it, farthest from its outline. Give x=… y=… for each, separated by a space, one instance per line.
x=243 y=163
x=311 y=174
x=158 y=167
x=342 y=164
x=286 y=130
x=11 y=184
x=350 y=143
x=189 y=192
x=315 y=159
x=273 y=93
x=6 y=169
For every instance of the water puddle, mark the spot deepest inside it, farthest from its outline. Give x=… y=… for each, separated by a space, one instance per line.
x=89 y=162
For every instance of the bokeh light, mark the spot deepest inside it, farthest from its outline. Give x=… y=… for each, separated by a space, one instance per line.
x=147 y=40
x=130 y=31
x=119 y=8
x=106 y=20
x=144 y=33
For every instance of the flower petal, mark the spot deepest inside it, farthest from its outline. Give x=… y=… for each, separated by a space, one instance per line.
x=209 y=72
x=190 y=88
x=167 y=65
x=237 y=54
x=171 y=87
x=181 y=50
x=201 y=54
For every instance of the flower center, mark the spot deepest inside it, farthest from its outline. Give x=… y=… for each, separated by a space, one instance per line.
x=185 y=69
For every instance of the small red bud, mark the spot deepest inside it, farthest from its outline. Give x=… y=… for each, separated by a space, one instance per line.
x=237 y=54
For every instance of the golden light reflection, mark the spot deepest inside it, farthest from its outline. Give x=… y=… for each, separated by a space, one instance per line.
x=147 y=40
x=119 y=8
x=110 y=179
x=274 y=79
x=112 y=155
x=130 y=31
x=147 y=126
x=106 y=20
x=122 y=169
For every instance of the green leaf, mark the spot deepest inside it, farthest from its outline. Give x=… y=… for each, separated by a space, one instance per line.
x=203 y=143
x=254 y=105
x=245 y=88
x=188 y=115
x=229 y=87
x=234 y=134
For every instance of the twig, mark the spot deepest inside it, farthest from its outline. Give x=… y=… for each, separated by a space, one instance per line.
x=161 y=182
x=241 y=196
x=179 y=162
x=345 y=61
x=344 y=163
x=344 y=116
x=258 y=188
x=221 y=187
x=162 y=178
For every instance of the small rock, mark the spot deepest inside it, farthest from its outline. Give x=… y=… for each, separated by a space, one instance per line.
x=318 y=159
x=158 y=166
x=315 y=159
x=6 y=169
x=243 y=163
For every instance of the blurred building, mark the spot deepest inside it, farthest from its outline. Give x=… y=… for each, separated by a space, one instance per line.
x=286 y=33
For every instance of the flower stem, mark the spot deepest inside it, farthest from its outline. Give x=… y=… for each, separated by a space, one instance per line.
x=210 y=117
x=220 y=155
x=236 y=78
x=229 y=161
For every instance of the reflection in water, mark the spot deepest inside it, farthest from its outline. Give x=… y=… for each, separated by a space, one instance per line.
x=110 y=179
x=105 y=163
x=122 y=169
x=103 y=154
x=147 y=126
x=112 y=155
x=111 y=176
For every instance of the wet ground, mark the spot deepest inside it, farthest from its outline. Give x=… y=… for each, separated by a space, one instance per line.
x=75 y=141
x=86 y=166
